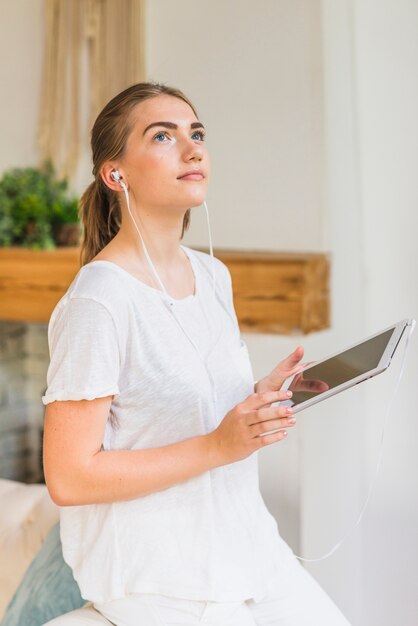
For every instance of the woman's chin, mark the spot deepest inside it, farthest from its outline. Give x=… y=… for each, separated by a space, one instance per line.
x=196 y=203
x=190 y=202
x=198 y=198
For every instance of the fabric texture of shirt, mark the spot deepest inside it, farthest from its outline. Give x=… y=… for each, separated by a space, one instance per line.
x=174 y=368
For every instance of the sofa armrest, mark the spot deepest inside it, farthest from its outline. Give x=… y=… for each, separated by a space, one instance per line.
x=27 y=515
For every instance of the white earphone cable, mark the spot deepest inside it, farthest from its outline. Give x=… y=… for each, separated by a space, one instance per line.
x=125 y=189
x=128 y=204
x=211 y=250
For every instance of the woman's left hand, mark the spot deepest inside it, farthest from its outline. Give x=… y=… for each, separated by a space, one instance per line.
x=289 y=366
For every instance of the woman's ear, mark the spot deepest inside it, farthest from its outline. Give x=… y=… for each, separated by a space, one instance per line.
x=111 y=176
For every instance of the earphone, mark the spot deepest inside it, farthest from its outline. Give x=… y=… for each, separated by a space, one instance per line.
x=117 y=177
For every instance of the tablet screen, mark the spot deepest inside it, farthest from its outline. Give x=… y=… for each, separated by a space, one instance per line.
x=339 y=369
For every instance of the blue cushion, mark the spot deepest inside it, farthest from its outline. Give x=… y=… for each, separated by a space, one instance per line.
x=47 y=589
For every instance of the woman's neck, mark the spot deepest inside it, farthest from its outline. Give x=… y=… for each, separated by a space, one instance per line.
x=163 y=246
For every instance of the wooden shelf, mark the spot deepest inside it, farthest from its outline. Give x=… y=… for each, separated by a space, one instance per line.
x=32 y=282
x=279 y=293
x=285 y=293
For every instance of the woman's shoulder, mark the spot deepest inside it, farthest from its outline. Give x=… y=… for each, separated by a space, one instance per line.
x=99 y=280
x=95 y=286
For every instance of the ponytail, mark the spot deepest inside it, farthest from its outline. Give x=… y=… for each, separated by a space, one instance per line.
x=186 y=223
x=100 y=216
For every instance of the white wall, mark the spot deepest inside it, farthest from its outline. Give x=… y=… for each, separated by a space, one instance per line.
x=255 y=76
x=332 y=446
x=21 y=45
x=371 y=100
x=386 y=46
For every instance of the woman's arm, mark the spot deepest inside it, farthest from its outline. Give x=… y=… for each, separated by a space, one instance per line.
x=78 y=471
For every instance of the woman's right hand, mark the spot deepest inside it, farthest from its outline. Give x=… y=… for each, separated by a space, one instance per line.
x=241 y=431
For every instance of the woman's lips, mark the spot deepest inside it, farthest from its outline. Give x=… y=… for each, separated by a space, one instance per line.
x=192 y=176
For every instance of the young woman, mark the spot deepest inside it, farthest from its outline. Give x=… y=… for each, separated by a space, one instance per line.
x=153 y=421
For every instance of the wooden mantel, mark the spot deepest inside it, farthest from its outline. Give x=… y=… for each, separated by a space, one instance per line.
x=285 y=293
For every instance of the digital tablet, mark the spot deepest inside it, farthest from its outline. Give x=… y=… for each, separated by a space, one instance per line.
x=343 y=370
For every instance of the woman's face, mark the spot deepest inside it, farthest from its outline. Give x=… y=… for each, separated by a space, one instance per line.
x=165 y=163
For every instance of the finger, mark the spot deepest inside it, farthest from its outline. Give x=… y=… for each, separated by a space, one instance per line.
x=266 y=440
x=300 y=367
x=294 y=358
x=291 y=362
x=290 y=365
x=258 y=400
x=307 y=364
x=269 y=414
x=261 y=428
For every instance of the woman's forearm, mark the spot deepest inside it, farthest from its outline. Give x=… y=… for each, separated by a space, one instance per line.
x=113 y=475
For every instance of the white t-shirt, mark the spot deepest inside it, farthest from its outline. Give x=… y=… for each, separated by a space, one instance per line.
x=175 y=371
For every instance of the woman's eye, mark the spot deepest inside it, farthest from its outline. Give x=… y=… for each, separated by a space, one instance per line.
x=201 y=134
x=161 y=134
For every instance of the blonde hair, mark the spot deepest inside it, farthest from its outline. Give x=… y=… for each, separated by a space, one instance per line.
x=99 y=208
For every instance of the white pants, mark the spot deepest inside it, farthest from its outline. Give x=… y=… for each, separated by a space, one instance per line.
x=300 y=601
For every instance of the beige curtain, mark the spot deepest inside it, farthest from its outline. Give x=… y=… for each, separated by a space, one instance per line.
x=104 y=37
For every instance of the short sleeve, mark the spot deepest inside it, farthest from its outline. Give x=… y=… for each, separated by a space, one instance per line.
x=84 y=353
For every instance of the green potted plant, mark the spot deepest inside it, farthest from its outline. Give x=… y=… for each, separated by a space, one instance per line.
x=34 y=207
x=65 y=222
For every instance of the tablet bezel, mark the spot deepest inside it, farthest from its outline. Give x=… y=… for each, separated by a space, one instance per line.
x=383 y=364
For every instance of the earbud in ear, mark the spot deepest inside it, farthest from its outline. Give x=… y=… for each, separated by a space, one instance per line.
x=116 y=176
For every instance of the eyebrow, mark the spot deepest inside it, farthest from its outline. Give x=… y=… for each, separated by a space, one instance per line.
x=172 y=125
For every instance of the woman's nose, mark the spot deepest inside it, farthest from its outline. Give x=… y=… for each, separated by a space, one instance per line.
x=193 y=150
